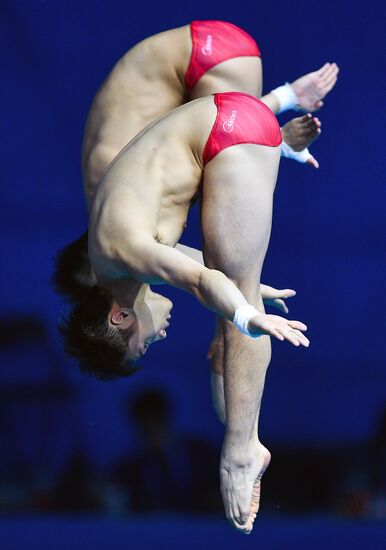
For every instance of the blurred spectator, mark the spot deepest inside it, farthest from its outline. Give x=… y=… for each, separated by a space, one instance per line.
x=33 y=392
x=365 y=483
x=170 y=471
x=77 y=490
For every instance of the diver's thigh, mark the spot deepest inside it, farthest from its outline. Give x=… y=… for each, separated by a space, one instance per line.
x=237 y=209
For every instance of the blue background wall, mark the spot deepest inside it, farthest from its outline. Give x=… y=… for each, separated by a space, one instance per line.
x=327 y=241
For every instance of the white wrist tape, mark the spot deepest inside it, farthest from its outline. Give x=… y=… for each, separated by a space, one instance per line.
x=287 y=152
x=242 y=317
x=286 y=96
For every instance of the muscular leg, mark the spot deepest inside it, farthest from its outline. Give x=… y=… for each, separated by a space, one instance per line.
x=236 y=219
x=218 y=397
x=216 y=356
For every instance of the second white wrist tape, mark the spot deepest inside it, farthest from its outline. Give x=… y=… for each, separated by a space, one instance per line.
x=242 y=317
x=287 y=152
x=286 y=96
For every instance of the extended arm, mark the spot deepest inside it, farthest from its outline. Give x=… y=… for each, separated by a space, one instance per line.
x=158 y=263
x=271 y=296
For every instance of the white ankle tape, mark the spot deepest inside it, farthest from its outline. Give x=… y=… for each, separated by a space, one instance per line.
x=287 y=152
x=286 y=96
x=242 y=317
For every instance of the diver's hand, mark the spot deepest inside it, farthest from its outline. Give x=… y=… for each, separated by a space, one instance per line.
x=275 y=298
x=280 y=328
x=311 y=88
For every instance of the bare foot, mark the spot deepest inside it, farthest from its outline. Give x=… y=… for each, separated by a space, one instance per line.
x=301 y=131
x=255 y=501
x=240 y=484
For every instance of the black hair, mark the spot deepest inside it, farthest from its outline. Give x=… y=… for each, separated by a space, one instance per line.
x=73 y=276
x=98 y=346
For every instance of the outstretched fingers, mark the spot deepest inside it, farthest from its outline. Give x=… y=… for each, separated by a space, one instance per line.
x=331 y=72
x=327 y=68
x=285 y=293
x=300 y=337
x=311 y=88
x=328 y=72
x=292 y=331
x=277 y=334
x=327 y=75
x=291 y=337
x=275 y=298
x=295 y=338
x=298 y=325
x=323 y=69
x=329 y=86
x=280 y=328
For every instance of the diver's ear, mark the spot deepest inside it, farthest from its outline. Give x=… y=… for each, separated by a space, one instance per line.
x=121 y=316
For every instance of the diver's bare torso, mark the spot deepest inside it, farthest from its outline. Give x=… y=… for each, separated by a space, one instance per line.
x=148 y=189
x=150 y=79
x=145 y=84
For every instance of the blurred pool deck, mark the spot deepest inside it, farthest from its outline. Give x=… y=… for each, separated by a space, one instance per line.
x=176 y=533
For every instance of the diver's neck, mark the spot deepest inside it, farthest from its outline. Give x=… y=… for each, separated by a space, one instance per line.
x=126 y=293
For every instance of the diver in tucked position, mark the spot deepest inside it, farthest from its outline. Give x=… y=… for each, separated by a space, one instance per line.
x=163 y=72
x=228 y=147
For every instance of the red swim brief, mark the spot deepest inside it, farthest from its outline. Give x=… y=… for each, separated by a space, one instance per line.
x=241 y=118
x=214 y=42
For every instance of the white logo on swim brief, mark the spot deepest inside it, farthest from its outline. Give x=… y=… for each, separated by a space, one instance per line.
x=228 y=124
x=207 y=49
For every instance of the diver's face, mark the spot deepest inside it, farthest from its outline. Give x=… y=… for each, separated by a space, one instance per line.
x=153 y=315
